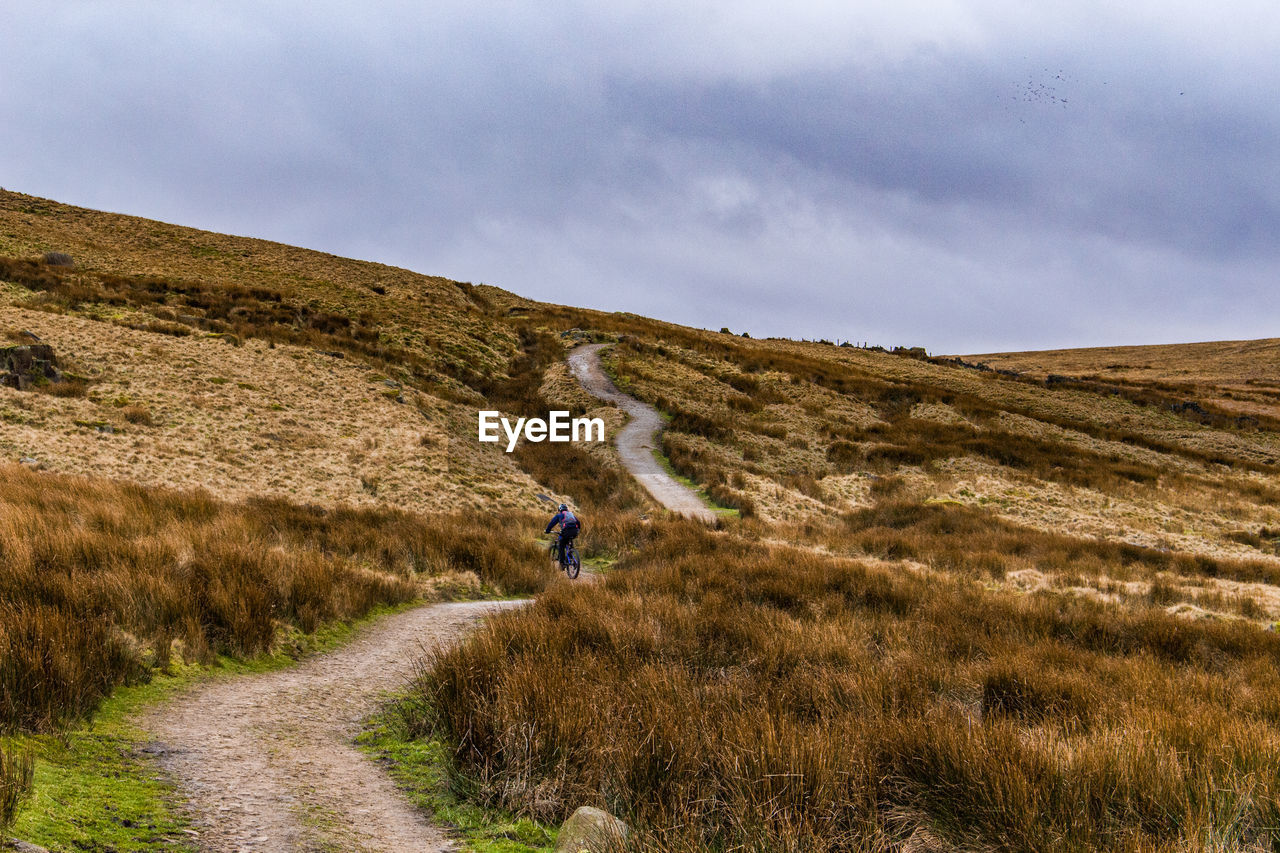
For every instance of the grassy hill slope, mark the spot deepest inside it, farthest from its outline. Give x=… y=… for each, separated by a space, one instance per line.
x=252 y=368
x=1237 y=376
x=973 y=577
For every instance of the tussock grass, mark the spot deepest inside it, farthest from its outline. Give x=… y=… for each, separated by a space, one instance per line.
x=900 y=439
x=184 y=307
x=833 y=422
x=1222 y=377
x=972 y=542
x=99 y=580
x=723 y=695
x=16 y=769
x=443 y=329
x=718 y=692
x=568 y=469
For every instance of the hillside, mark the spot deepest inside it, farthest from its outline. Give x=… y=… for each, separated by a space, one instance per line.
x=1236 y=376
x=981 y=568
x=252 y=368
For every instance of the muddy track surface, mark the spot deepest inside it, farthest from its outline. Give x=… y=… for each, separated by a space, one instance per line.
x=267 y=762
x=637 y=440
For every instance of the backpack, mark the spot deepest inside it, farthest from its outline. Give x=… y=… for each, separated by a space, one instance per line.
x=570 y=521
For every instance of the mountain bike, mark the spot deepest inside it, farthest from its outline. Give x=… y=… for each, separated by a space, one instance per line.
x=571 y=564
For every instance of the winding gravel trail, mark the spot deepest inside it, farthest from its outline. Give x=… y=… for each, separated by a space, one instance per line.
x=267 y=762
x=636 y=440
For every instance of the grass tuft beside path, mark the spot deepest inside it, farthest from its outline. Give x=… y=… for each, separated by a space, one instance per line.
x=422 y=769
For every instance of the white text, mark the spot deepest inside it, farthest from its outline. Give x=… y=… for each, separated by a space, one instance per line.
x=558 y=427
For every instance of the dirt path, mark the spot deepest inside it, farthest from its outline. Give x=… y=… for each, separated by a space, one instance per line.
x=267 y=762
x=636 y=439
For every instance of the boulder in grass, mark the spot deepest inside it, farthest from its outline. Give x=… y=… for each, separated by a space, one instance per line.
x=591 y=830
x=24 y=366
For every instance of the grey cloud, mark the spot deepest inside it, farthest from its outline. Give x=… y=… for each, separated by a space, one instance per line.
x=953 y=132
x=674 y=163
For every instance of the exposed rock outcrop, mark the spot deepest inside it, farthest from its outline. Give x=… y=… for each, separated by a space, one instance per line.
x=24 y=366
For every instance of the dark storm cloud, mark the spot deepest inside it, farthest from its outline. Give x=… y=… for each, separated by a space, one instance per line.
x=975 y=178
x=947 y=131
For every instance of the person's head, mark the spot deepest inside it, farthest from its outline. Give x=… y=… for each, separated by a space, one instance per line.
x=564 y=507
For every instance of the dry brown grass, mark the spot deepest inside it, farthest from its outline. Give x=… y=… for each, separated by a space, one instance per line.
x=1214 y=361
x=280 y=421
x=99 y=580
x=1021 y=614
x=963 y=540
x=209 y=353
x=789 y=429
x=828 y=421
x=16 y=768
x=1236 y=377
x=753 y=707
x=770 y=698
x=260 y=285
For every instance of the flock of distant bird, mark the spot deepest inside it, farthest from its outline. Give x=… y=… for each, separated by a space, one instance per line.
x=1044 y=89
x=1042 y=92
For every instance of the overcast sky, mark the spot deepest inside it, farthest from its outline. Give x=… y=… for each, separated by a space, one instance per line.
x=964 y=176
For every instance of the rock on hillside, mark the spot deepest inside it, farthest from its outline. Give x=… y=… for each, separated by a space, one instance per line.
x=24 y=366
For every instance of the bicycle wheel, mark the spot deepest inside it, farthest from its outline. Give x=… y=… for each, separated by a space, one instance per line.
x=572 y=564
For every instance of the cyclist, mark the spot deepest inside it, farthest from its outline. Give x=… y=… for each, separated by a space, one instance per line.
x=569 y=527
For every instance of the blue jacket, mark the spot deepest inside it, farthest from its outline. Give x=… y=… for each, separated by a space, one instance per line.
x=565 y=518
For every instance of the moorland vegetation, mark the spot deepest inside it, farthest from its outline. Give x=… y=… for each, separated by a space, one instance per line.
x=957 y=608
x=722 y=693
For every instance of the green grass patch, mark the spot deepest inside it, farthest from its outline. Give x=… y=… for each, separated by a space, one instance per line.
x=609 y=367
x=95 y=789
x=95 y=786
x=92 y=424
x=422 y=768
x=600 y=564
x=728 y=512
